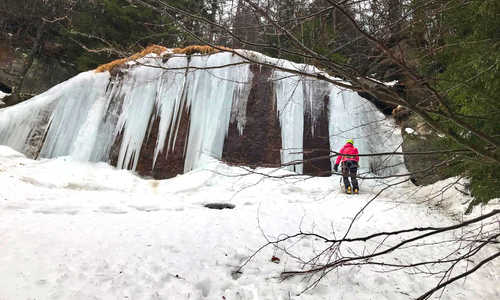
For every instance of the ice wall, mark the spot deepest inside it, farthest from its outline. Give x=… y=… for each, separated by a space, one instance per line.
x=353 y=117
x=290 y=103
x=92 y=114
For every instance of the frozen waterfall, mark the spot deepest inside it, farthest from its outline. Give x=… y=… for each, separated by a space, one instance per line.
x=103 y=117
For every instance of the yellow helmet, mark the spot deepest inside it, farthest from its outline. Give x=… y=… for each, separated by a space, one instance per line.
x=350 y=141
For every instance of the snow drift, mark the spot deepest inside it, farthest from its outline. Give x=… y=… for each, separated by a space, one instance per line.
x=80 y=230
x=164 y=115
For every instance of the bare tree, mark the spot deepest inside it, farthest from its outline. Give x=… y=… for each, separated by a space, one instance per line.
x=377 y=250
x=33 y=23
x=426 y=101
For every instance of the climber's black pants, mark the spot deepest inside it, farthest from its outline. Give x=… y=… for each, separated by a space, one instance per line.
x=349 y=169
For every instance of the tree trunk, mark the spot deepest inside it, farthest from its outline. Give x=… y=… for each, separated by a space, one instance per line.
x=28 y=63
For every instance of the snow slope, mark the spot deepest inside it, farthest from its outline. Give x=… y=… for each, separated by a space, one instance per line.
x=73 y=230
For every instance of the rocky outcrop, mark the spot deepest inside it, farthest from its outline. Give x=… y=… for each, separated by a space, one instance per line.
x=317 y=143
x=260 y=143
x=173 y=115
x=44 y=74
x=418 y=137
x=170 y=162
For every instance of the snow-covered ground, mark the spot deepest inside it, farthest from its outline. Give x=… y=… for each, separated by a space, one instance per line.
x=73 y=230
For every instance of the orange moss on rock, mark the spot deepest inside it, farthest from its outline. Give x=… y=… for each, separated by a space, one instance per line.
x=189 y=50
x=150 y=49
x=199 y=49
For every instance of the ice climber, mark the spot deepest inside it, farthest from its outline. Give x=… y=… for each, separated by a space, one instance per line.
x=349 y=162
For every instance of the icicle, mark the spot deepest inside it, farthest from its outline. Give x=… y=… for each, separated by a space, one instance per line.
x=240 y=97
x=315 y=92
x=210 y=97
x=140 y=89
x=86 y=115
x=57 y=115
x=71 y=117
x=290 y=103
x=209 y=94
x=168 y=102
x=353 y=117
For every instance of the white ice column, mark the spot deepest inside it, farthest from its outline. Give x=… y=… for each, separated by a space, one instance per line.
x=211 y=91
x=18 y=123
x=353 y=117
x=140 y=90
x=73 y=123
x=290 y=104
x=169 y=103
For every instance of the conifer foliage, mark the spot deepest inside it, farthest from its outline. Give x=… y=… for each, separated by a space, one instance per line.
x=465 y=68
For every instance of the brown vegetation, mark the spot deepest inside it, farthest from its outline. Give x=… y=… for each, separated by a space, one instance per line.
x=199 y=49
x=150 y=49
x=189 y=50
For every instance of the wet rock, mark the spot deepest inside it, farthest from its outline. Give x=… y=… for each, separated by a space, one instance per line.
x=220 y=205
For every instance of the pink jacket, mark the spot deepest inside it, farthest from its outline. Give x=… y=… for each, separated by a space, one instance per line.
x=349 y=152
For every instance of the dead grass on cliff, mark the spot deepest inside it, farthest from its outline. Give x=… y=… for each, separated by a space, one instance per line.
x=189 y=50
x=150 y=49
x=199 y=49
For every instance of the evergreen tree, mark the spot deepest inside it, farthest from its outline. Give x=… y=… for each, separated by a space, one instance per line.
x=108 y=29
x=470 y=78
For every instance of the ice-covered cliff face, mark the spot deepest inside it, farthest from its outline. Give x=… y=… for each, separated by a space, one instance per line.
x=164 y=116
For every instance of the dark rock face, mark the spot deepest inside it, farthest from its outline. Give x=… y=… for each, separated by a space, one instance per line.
x=36 y=80
x=39 y=133
x=145 y=162
x=4 y=88
x=111 y=117
x=317 y=144
x=384 y=107
x=170 y=164
x=260 y=143
x=114 y=109
x=424 y=139
x=115 y=150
